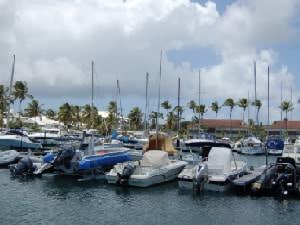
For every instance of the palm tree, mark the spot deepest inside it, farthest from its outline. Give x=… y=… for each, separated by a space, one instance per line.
x=65 y=114
x=201 y=109
x=76 y=115
x=243 y=103
x=50 y=113
x=257 y=103
x=89 y=115
x=229 y=102
x=286 y=106
x=166 y=105
x=153 y=117
x=112 y=108
x=135 y=116
x=192 y=105
x=34 y=109
x=3 y=103
x=215 y=107
x=21 y=92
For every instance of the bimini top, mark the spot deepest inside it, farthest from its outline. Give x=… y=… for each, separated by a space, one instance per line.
x=155 y=158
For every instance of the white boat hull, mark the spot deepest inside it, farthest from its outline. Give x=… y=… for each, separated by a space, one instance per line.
x=252 y=150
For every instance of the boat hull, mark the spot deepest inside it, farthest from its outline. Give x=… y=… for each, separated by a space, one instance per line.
x=252 y=150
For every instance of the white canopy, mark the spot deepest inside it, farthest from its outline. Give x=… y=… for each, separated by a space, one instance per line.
x=219 y=160
x=155 y=158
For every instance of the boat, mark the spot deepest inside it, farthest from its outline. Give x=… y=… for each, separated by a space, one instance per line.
x=48 y=137
x=252 y=146
x=69 y=161
x=154 y=168
x=280 y=179
x=18 y=140
x=274 y=145
x=195 y=142
x=293 y=151
x=237 y=146
x=8 y=157
x=216 y=173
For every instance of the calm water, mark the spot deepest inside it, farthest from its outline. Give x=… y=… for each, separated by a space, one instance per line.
x=64 y=201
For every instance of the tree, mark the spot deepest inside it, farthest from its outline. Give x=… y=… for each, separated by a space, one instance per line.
x=229 y=102
x=135 y=117
x=243 y=103
x=153 y=117
x=215 y=107
x=33 y=109
x=192 y=105
x=21 y=92
x=166 y=105
x=286 y=106
x=89 y=116
x=112 y=108
x=76 y=115
x=201 y=109
x=3 y=103
x=257 y=103
x=65 y=114
x=50 y=113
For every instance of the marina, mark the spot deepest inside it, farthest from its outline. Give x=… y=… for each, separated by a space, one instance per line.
x=149 y=112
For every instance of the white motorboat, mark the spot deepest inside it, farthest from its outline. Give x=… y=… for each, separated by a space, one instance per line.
x=292 y=151
x=8 y=157
x=18 y=140
x=47 y=137
x=196 y=142
x=154 y=168
x=215 y=174
x=252 y=146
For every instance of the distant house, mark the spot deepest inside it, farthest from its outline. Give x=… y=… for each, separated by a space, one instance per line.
x=292 y=127
x=221 y=127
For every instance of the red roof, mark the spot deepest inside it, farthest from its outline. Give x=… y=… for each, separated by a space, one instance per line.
x=282 y=125
x=221 y=123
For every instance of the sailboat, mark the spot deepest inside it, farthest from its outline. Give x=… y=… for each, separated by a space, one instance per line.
x=15 y=139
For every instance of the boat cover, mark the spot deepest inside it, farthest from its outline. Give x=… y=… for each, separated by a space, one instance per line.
x=164 y=143
x=155 y=158
x=219 y=161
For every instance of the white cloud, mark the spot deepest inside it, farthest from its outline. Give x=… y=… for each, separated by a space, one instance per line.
x=55 y=42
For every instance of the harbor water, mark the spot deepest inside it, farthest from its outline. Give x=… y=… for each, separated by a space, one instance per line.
x=57 y=200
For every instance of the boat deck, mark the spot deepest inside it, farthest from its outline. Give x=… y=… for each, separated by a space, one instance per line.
x=249 y=178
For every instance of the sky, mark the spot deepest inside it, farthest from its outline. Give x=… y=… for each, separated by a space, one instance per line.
x=55 y=41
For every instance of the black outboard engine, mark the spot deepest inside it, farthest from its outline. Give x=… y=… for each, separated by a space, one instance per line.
x=23 y=168
x=284 y=181
x=126 y=173
x=64 y=158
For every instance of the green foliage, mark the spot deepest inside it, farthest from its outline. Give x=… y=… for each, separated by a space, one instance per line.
x=215 y=107
x=33 y=109
x=135 y=117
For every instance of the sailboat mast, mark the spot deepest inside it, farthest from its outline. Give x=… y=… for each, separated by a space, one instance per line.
x=255 y=97
x=158 y=103
x=120 y=104
x=291 y=102
x=178 y=107
x=10 y=92
x=146 y=106
x=268 y=95
x=199 y=101
x=281 y=107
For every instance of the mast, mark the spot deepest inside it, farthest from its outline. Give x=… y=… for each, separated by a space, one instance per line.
x=199 y=102
x=248 y=112
x=281 y=107
x=120 y=104
x=255 y=97
x=178 y=106
x=291 y=102
x=10 y=91
x=158 y=102
x=268 y=95
x=146 y=131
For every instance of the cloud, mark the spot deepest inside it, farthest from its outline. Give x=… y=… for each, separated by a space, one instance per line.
x=55 y=42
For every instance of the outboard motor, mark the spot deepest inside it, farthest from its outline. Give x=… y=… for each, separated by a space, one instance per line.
x=126 y=173
x=200 y=177
x=23 y=168
x=64 y=158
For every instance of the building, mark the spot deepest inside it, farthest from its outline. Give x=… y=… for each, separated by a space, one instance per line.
x=291 y=127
